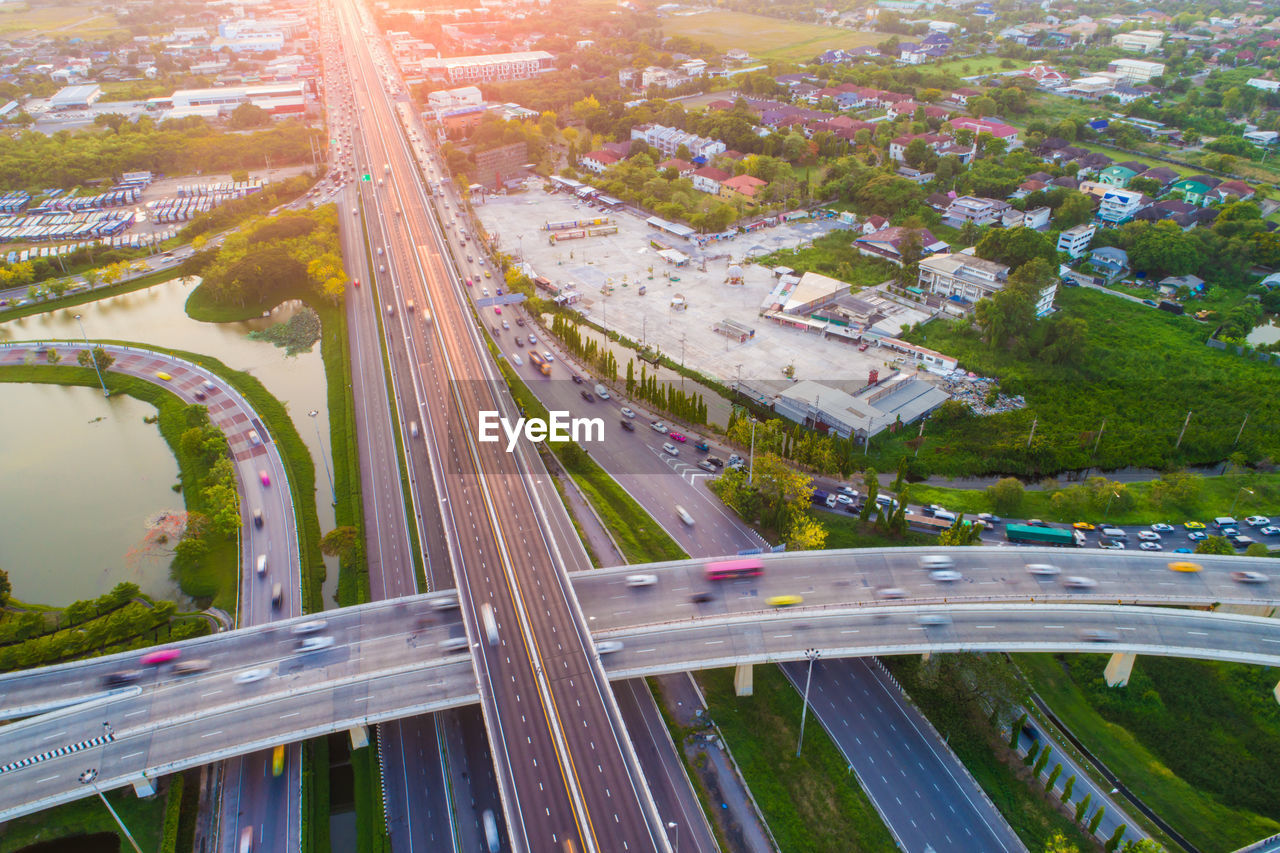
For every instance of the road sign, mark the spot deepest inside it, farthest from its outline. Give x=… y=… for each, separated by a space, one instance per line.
x=366 y=177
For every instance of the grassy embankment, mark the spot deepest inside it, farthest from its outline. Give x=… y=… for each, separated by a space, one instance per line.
x=145 y=819
x=1197 y=741
x=765 y=37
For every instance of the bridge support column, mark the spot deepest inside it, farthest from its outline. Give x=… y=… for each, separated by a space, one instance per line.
x=925 y=656
x=1276 y=692
x=359 y=736
x=142 y=787
x=743 y=681
x=1119 y=668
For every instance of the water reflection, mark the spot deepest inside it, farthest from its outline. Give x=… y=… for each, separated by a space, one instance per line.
x=155 y=316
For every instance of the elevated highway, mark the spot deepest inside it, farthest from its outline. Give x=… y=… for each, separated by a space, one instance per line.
x=388 y=660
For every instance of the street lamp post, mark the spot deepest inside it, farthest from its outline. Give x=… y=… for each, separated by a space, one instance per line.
x=812 y=655
x=671 y=824
x=751 y=463
x=1237 y=500
x=1108 y=509
x=89 y=777
x=333 y=495
x=105 y=392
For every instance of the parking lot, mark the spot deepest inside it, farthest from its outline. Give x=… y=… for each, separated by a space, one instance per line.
x=609 y=272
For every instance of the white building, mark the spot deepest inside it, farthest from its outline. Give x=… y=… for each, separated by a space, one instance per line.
x=277 y=98
x=1135 y=71
x=979 y=211
x=1265 y=85
x=962 y=276
x=497 y=66
x=1075 y=240
x=1139 y=41
x=668 y=139
x=867 y=413
x=75 y=97
x=1119 y=205
x=447 y=99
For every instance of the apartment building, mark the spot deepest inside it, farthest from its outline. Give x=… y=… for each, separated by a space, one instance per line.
x=1139 y=41
x=1075 y=240
x=1119 y=205
x=669 y=139
x=497 y=66
x=1135 y=71
x=979 y=211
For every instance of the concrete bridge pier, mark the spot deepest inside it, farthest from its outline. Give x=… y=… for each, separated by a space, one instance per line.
x=359 y=737
x=743 y=680
x=143 y=787
x=1119 y=668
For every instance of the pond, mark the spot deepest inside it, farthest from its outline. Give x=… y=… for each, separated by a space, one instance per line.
x=155 y=316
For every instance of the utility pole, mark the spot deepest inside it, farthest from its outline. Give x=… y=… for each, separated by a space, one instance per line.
x=920 y=441
x=1183 y=431
x=92 y=358
x=1032 y=435
x=751 y=465
x=812 y=655
x=1241 y=430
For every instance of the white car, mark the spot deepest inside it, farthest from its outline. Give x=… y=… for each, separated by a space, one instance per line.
x=309 y=627
x=1257 y=521
x=1043 y=569
x=641 y=580
x=454 y=644
x=659 y=426
x=1148 y=536
x=627 y=412
x=1150 y=546
x=945 y=575
x=1160 y=527
x=1077 y=582
x=933 y=619
x=315 y=644
x=605 y=647
x=842 y=498
x=1270 y=531
x=446 y=602
x=250 y=675
x=670 y=448
x=1110 y=545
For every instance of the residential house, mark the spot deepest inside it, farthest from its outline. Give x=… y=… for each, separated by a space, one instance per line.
x=668 y=139
x=997 y=129
x=898 y=146
x=708 y=179
x=979 y=211
x=1239 y=189
x=1037 y=218
x=887 y=243
x=961 y=278
x=1162 y=175
x=1075 y=240
x=1110 y=261
x=1027 y=187
x=1169 y=285
x=1197 y=189
x=874 y=224
x=962 y=95
x=597 y=161
x=683 y=167
x=1045 y=75
x=743 y=188
x=1117 y=176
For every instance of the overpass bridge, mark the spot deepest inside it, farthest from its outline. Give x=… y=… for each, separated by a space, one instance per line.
x=400 y=658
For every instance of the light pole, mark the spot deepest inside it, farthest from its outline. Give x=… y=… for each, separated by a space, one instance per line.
x=751 y=463
x=333 y=495
x=1108 y=509
x=671 y=824
x=88 y=777
x=812 y=655
x=1237 y=500
x=105 y=392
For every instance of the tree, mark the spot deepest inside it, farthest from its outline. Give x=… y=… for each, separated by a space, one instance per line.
x=1219 y=545
x=1041 y=762
x=1067 y=787
x=871 y=485
x=783 y=490
x=1146 y=845
x=1082 y=807
x=1030 y=757
x=1162 y=248
x=1114 y=841
x=53 y=356
x=1059 y=844
x=1053 y=777
x=103 y=358
x=1096 y=819
x=1257 y=549
x=342 y=542
x=1016 y=732
x=1075 y=209
x=1006 y=495
x=6 y=588
x=248 y=115
x=805 y=534
x=960 y=534
x=1015 y=246
x=1064 y=339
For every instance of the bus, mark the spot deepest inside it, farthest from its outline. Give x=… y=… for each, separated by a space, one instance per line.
x=277 y=760
x=1033 y=535
x=535 y=357
x=726 y=570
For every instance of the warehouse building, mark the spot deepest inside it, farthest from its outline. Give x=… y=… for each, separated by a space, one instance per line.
x=76 y=97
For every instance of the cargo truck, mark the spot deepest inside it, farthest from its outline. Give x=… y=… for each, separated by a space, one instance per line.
x=537 y=359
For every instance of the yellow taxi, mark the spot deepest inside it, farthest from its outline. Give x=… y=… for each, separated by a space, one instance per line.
x=1184 y=566
x=1083 y=525
x=160 y=374
x=486 y=274
x=784 y=600
x=1193 y=525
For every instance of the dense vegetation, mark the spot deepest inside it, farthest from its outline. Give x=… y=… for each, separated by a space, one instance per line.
x=34 y=161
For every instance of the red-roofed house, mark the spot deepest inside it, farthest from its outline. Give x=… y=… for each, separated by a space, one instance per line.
x=903 y=108
x=995 y=128
x=708 y=179
x=898 y=146
x=873 y=225
x=597 y=161
x=1239 y=189
x=743 y=187
x=962 y=95
x=683 y=167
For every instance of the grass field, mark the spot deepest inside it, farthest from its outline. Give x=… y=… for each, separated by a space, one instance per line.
x=974 y=65
x=1170 y=699
x=87 y=21
x=764 y=37
x=87 y=817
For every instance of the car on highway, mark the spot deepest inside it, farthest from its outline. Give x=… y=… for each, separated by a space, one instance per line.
x=1043 y=569
x=1184 y=566
x=257 y=518
x=587 y=395
x=355 y=282
x=1257 y=521
x=520 y=343
x=627 y=425
x=193 y=665
x=1150 y=546
x=641 y=580
x=606 y=647
x=936 y=561
x=1084 y=525
x=1269 y=530
x=160 y=374
x=670 y=448
x=1161 y=527
x=309 y=627
x=548 y=356
x=315 y=644
x=249 y=676
x=931 y=619
x=1078 y=582
x=1098 y=635
x=659 y=426
x=1148 y=536
x=497 y=309
x=1110 y=545
x=577 y=380
x=945 y=575
x=1193 y=525
x=1249 y=577
x=842 y=498
x=254 y=438
x=702 y=446
x=516 y=359
x=891 y=592
x=454 y=644
x=705 y=465
x=264 y=477
x=445 y=602
x=506 y=327
x=124 y=676
x=1182 y=550
x=160 y=656
x=1197 y=536
x=784 y=600
x=701 y=597
x=678 y=436
x=533 y=340
x=625 y=410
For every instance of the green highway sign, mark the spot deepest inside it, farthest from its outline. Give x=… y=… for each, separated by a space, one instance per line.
x=366 y=177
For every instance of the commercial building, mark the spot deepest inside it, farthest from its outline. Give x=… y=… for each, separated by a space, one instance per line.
x=961 y=278
x=1135 y=71
x=498 y=165
x=447 y=99
x=75 y=97
x=276 y=98
x=859 y=416
x=1075 y=240
x=1139 y=41
x=497 y=66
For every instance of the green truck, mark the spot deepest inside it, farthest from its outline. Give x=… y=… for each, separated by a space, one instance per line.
x=1042 y=535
